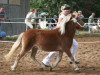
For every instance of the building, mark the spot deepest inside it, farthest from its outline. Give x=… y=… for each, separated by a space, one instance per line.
x=16 y=11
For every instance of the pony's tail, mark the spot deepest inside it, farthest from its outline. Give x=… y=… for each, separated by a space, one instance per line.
x=14 y=47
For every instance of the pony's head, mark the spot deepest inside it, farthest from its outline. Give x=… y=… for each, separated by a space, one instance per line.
x=71 y=19
x=79 y=22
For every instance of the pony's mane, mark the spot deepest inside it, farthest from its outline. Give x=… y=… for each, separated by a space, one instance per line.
x=69 y=17
x=63 y=24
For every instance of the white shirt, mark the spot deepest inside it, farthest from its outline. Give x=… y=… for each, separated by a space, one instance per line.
x=65 y=18
x=61 y=16
x=30 y=17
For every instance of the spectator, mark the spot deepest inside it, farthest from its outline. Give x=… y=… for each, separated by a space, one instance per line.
x=42 y=21
x=91 y=18
x=80 y=15
x=2 y=16
x=91 y=21
x=54 y=20
x=98 y=21
x=30 y=19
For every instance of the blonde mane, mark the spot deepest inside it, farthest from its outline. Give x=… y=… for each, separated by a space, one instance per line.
x=63 y=23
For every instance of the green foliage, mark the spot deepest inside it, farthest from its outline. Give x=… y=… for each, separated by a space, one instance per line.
x=53 y=6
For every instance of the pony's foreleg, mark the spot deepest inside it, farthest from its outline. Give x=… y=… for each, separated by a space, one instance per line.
x=72 y=59
x=58 y=59
x=19 y=56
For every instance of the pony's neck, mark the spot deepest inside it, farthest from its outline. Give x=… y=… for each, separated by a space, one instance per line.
x=70 y=29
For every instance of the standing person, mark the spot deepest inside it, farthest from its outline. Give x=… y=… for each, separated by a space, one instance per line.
x=54 y=21
x=80 y=15
x=43 y=21
x=65 y=11
x=30 y=19
x=91 y=20
x=98 y=21
x=2 y=16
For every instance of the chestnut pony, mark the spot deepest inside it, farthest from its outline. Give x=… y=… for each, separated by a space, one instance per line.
x=59 y=39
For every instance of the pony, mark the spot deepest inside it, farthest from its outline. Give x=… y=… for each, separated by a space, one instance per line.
x=59 y=39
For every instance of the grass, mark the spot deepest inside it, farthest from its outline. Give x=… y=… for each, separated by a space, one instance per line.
x=10 y=38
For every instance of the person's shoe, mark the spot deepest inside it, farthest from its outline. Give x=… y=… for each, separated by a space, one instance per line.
x=71 y=62
x=46 y=65
x=77 y=62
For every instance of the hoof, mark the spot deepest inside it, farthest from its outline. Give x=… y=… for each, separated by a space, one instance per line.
x=51 y=68
x=77 y=70
x=77 y=62
x=41 y=69
x=71 y=62
x=12 y=68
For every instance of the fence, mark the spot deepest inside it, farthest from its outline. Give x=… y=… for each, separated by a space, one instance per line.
x=12 y=28
x=17 y=26
x=15 y=10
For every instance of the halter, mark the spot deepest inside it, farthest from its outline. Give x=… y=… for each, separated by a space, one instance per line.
x=75 y=21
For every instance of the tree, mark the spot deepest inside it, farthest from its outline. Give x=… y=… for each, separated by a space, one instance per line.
x=53 y=6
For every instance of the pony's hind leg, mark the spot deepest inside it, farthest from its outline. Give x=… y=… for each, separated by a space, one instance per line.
x=33 y=54
x=19 y=56
x=72 y=59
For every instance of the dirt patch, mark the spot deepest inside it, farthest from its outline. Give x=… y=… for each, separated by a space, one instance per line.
x=88 y=55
